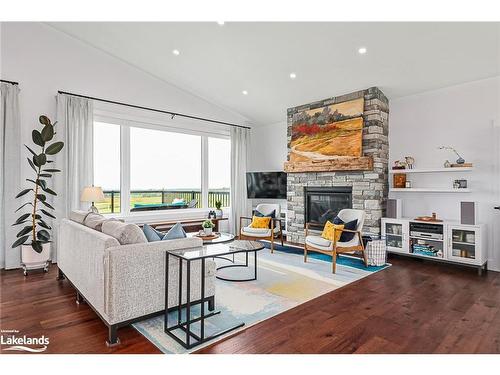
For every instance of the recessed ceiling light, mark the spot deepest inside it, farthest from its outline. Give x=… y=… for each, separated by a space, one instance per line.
x=293 y=75
x=244 y=92
x=176 y=52
x=220 y=23
x=362 y=50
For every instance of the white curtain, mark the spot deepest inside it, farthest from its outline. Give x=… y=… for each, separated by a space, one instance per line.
x=10 y=163
x=239 y=156
x=75 y=128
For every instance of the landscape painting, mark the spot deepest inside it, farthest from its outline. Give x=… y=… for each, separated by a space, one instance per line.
x=327 y=133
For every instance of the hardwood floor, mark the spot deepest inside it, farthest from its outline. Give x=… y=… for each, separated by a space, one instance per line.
x=413 y=307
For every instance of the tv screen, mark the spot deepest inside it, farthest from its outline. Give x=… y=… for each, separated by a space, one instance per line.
x=266 y=185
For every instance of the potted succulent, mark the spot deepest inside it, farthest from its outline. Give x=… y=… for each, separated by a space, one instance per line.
x=34 y=237
x=208 y=227
x=218 y=210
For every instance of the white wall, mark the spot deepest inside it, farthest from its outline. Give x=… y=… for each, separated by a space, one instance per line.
x=44 y=60
x=268 y=152
x=463 y=117
x=268 y=149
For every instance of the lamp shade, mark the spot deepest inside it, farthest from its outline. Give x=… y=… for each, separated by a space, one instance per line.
x=92 y=194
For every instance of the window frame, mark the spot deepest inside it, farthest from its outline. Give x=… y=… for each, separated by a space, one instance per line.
x=126 y=123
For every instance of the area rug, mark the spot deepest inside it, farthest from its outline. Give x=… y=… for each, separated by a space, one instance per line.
x=284 y=281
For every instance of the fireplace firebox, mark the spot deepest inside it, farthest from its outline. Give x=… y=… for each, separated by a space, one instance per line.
x=323 y=203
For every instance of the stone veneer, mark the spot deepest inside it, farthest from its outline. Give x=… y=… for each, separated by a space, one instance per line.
x=369 y=188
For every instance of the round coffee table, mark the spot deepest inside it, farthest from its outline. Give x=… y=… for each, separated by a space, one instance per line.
x=223 y=238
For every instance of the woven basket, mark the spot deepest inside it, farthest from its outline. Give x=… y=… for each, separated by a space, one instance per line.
x=376 y=252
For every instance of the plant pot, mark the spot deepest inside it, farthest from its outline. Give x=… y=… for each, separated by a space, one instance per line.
x=31 y=260
x=208 y=231
x=218 y=214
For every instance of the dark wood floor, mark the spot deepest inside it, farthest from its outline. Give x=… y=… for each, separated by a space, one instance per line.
x=413 y=307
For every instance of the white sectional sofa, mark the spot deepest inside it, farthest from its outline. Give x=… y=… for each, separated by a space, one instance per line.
x=125 y=283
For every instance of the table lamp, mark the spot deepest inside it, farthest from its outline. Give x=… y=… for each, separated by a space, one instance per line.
x=92 y=194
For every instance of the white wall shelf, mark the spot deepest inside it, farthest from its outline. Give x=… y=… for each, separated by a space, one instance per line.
x=431 y=170
x=429 y=190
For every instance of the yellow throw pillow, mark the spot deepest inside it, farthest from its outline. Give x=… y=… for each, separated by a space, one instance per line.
x=260 y=222
x=331 y=230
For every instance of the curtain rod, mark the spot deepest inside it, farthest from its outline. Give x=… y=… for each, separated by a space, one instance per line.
x=173 y=114
x=11 y=82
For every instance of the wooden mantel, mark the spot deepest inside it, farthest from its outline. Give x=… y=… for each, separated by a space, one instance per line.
x=363 y=163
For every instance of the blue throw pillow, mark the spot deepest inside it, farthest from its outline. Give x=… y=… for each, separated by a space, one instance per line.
x=176 y=232
x=151 y=233
x=351 y=225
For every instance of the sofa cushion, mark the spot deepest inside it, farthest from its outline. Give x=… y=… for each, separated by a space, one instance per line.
x=176 y=232
x=125 y=233
x=78 y=216
x=94 y=221
x=151 y=233
x=256 y=232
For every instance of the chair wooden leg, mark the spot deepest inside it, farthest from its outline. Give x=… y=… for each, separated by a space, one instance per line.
x=305 y=253
x=281 y=237
x=365 y=258
x=334 y=261
x=272 y=244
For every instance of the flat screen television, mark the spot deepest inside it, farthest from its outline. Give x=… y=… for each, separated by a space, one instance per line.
x=266 y=185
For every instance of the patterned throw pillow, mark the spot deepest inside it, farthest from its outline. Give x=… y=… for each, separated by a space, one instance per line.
x=260 y=222
x=271 y=215
x=330 y=230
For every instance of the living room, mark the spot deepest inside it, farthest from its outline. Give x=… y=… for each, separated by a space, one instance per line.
x=229 y=193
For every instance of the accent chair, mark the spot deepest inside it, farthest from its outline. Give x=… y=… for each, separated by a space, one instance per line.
x=314 y=242
x=274 y=232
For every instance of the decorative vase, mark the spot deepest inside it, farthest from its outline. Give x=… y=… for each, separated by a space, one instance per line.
x=208 y=231
x=218 y=214
x=31 y=260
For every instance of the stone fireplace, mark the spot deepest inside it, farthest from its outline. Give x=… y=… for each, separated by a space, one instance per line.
x=323 y=203
x=316 y=196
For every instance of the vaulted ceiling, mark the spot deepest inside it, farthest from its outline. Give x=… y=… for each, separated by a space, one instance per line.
x=219 y=62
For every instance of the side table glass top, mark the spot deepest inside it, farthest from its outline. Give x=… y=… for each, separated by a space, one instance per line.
x=215 y=250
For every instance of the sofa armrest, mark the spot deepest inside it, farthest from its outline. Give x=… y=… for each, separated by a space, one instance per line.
x=135 y=277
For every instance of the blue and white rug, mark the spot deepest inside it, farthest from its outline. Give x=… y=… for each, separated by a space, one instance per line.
x=284 y=281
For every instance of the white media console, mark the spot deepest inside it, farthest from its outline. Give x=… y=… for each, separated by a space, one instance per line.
x=446 y=241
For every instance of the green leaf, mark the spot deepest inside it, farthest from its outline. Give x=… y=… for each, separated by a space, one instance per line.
x=32 y=165
x=51 y=170
x=47 y=175
x=25 y=231
x=44 y=224
x=54 y=148
x=21 y=222
x=40 y=160
x=37 y=138
x=30 y=150
x=47 y=133
x=37 y=217
x=48 y=205
x=24 y=192
x=37 y=246
x=41 y=197
x=43 y=235
x=22 y=218
x=48 y=213
x=23 y=206
x=30 y=180
x=50 y=191
x=41 y=183
x=20 y=241
x=44 y=120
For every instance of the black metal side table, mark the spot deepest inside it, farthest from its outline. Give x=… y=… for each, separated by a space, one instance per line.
x=184 y=326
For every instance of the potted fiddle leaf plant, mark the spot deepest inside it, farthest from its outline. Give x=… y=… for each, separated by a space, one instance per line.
x=34 y=237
